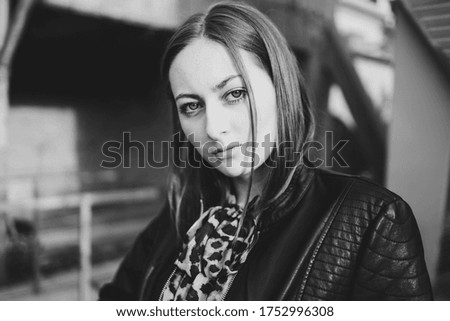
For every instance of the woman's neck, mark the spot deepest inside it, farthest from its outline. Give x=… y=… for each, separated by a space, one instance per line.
x=241 y=186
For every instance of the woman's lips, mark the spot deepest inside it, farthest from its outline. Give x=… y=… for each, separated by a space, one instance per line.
x=220 y=153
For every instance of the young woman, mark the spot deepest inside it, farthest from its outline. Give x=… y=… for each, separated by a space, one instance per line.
x=247 y=218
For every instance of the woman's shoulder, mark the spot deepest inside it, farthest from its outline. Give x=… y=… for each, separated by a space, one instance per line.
x=371 y=231
x=363 y=195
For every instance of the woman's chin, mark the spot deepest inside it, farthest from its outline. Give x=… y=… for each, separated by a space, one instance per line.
x=233 y=171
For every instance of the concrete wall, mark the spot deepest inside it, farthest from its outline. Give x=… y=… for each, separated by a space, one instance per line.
x=73 y=88
x=418 y=145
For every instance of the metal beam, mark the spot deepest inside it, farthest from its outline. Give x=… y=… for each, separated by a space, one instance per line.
x=12 y=37
x=369 y=122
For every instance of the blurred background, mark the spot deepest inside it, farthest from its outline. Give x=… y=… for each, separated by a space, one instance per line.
x=75 y=74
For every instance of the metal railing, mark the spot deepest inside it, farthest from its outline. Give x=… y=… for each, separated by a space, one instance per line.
x=85 y=203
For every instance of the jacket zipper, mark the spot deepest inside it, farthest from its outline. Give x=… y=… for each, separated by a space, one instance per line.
x=166 y=285
x=228 y=287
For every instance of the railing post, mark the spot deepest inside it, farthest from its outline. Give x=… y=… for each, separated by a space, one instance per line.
x=35 y=253
x=85 y=246
x=35 y=239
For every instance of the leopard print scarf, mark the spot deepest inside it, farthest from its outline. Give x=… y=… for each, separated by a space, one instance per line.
x=208 y=262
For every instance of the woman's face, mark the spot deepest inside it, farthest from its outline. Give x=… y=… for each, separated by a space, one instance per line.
x=213 y=106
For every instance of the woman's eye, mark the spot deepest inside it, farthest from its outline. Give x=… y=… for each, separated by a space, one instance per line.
x=192 y=106
x=236 y=95
x=189 y=108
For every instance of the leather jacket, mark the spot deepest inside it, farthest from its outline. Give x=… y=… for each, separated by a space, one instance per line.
x=341 y=238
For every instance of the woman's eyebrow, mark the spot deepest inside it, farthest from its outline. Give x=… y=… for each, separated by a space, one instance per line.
x=225 y=81
x=193 y=96
x=216 y=87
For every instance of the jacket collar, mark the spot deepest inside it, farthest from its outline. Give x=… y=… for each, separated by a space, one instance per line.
x=286 y=202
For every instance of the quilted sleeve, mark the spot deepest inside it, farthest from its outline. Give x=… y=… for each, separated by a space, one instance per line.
x=391 y=265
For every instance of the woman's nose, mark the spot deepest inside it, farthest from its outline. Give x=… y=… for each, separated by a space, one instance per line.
x=217 y=120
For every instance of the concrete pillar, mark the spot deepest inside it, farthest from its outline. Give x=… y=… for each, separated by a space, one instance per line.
x=418 y=142
x=4 y=19
x=4 y=22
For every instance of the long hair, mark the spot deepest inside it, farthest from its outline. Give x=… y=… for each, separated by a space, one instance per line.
x=238 y=26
